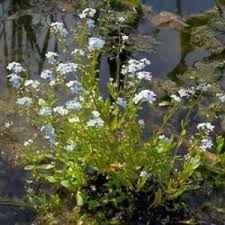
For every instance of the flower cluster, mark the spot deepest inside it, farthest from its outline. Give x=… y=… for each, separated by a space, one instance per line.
x=205 y=127
x=134 y=66
x=95 y=43
x=144 y=75
x=52 y=57
x=32 y=83
x=96 y=121
x=145 y=95
x=15 y=67
x=14 y=78
x=206 y=144
x=60 y=110
x=49 y=132
x=75 y=87
x=59 y=29
x=121 y=102
x=90 y=23
x=47 y=74
x=189 y=92
x=78 y=52
x=25 y=101
x=88 y=12
x=45 y=111
x=28 y=142
x=65 y=68
x=74 y=105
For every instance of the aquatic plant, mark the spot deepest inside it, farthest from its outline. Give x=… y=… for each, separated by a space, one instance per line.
x=95 y=159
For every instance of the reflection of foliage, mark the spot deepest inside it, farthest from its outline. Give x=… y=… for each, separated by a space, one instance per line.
x=18 y=32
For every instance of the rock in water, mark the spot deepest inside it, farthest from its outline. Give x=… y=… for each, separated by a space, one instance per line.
x=168 y=19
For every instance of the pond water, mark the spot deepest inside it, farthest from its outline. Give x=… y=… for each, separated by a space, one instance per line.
x=25 y=37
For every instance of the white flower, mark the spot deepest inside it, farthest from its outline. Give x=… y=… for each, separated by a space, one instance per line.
x=75 y=87
x=175 y=98
x=144 y=75
x=49 y=132
x=47 y=74
x=26 y=101
x=144 y=174
x=61 y=110
x=125 y=37
x=186 y=92
x=121 y=102
x=141 y=122
x=78 y=51
x=70 y=147
x=52 y=83
x=164 y=138
x=74 y=119
x=15 y=80
x=32 y=83
x=51 y=57
x=96 y=122
x=206 y=127
x=191 y=91
x=58 y=28
x=222 y=98
x=45 y=111
x=183 y=93
x=73 y=105
x=134 y=66
x=28 y=142
x=121 y=19
x=65 y=68
x=206 y=144
x=96 y=114
x=146 y=95
x=95 y=43
x=203 y=87
x=88 y=12
x=15 y=67
x=8 y=124
x=90 y=23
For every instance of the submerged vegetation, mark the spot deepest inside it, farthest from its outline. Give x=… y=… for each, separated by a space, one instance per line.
x=90 y=161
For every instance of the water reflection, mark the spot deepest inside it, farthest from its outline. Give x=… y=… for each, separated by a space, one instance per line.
x=181 y=7
x=24 y=32
x=169 y=57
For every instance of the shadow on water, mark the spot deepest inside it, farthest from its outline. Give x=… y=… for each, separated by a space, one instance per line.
x=25 y=37
x=12 y=181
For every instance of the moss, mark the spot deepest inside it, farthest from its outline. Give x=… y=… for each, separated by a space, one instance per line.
x=204 y=37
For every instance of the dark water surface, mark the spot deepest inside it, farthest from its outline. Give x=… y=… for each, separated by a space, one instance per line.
x=25 y=37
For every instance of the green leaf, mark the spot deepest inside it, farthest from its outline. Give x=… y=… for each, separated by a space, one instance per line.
x=165 y=103
x=79 y=198
x=158 y=198
x=93 y=204
x=46 y=166
x=51 y=179
x=29 y=167
x=66 y=184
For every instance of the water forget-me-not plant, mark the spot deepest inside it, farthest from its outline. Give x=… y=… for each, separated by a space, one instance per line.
x=95 y=157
